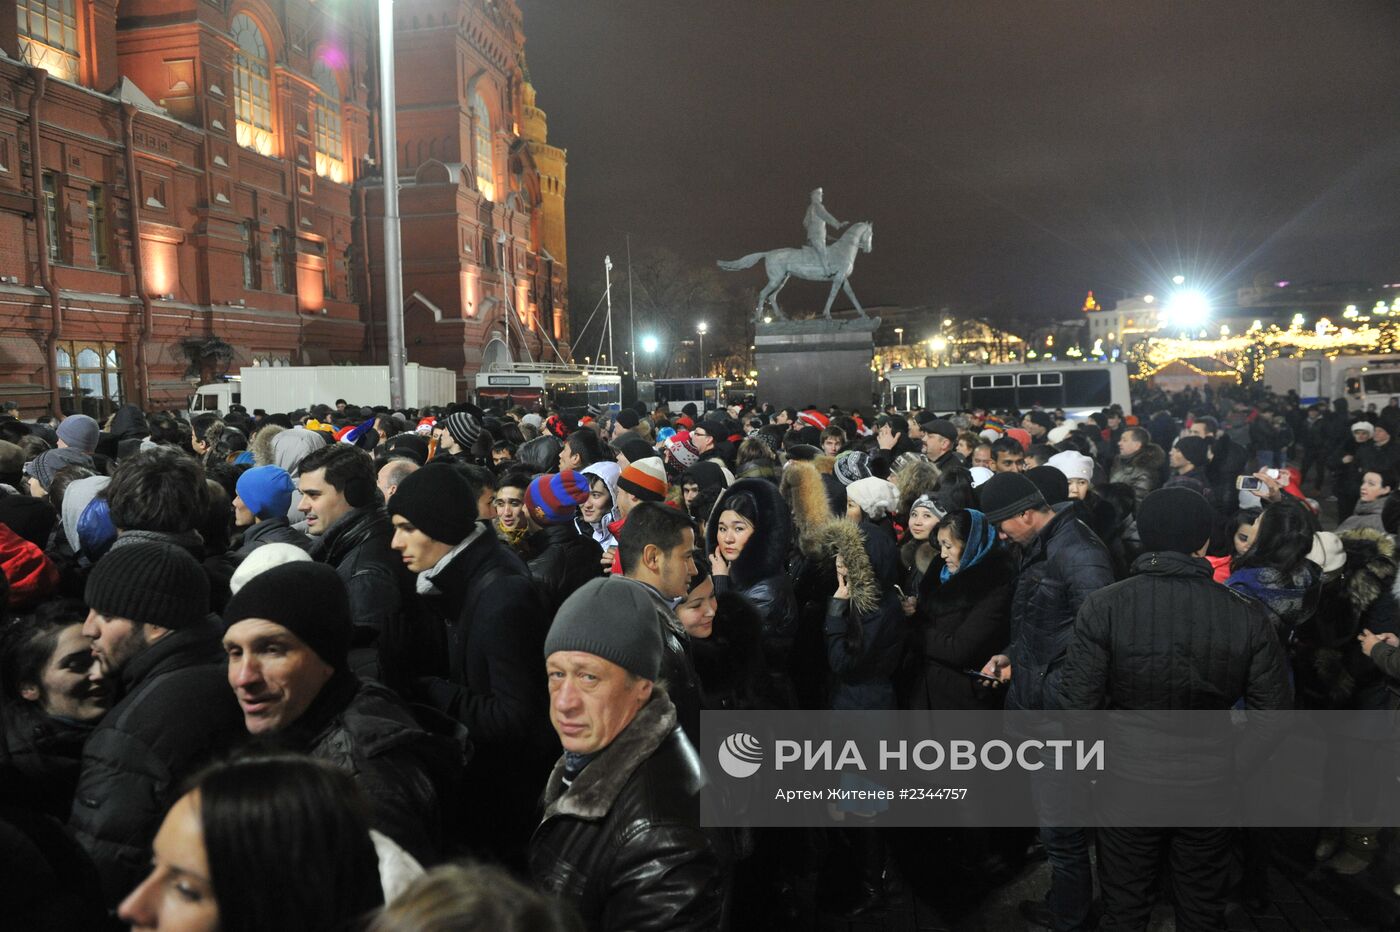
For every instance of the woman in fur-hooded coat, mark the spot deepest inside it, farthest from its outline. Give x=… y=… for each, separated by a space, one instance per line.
x=759 y=572
x=813 y=577
x=1333 y=673
x=864 y=631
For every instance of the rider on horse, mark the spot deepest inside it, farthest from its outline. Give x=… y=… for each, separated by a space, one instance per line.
x=815 y=223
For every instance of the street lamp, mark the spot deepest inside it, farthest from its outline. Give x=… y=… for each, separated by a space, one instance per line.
x=650 y=344
x=899 y=332
x=702 y=328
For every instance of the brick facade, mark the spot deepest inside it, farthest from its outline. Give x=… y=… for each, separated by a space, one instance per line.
x=145 y=217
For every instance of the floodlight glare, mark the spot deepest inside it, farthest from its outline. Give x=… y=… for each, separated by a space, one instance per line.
x=1188 y=309
x=650 y=344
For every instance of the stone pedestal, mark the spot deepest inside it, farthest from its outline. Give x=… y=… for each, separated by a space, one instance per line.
x=816 y=362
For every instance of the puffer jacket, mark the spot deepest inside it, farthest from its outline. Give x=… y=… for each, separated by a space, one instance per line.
x=865 y=632
x=289 y=448
x=1170 y=638
x=959 y=625
x=271 y=531
x=1142 y=470
x=1060 y=568
x=408 y=775
x=357 y=547
x=177 y=713
x=40 y=759
x=564 y=560
x=759 y=573
x=622 y=844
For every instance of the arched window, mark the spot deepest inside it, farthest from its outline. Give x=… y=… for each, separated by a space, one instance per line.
x=252 y=99
x=48 y=36
x=485 y=171
x=325 y=109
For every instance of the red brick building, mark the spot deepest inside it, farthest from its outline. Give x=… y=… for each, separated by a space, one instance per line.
x=187 y=187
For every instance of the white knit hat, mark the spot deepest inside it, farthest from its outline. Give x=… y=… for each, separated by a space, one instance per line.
x=876 y=497
x=1367 y=426
x=263 y=559
x=980 y=474
x=990 y=435
x=1059 y=434
x=1073 y=465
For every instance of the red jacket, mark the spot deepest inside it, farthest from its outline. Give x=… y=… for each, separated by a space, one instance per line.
x=31 y=575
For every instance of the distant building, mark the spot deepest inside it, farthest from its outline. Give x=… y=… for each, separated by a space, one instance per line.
x=188 y=187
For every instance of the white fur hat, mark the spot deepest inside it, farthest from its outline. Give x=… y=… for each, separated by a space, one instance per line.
x=1073 y=465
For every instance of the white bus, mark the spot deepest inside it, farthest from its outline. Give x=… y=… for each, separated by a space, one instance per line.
x=542 y=384
x=706 y=394
x=1079 y=388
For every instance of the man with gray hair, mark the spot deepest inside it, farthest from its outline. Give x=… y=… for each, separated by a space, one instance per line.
x=391 y=474
x=620 y=838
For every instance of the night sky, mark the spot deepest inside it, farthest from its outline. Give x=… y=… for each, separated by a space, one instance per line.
x=1012 y=155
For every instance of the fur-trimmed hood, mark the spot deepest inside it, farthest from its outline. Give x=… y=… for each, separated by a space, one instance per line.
x=1370 y=570
x=805 y=493
x=840 y=536
x=766 y=552
x=261 y=444
x=593 y=792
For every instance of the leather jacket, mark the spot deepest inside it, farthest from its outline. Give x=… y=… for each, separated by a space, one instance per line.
x=622 y=843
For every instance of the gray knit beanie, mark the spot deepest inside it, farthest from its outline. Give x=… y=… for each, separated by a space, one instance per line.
x=612 y=618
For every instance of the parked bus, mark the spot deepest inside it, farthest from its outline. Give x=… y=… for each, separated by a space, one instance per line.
x=542 y=384
x=1362 y=379
x=1078 y=387
x=705 y=394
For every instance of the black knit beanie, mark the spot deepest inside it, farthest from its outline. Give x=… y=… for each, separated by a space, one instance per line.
x=437 y=500
x=1007 y=494
x=1195 y=449
x=308 y=599
x=1052 y=483
x=1176 y=519
x=149 y=582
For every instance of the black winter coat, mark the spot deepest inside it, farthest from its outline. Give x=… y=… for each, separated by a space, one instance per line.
x=622 y=844
x=409 y=776
x=272 y=531
x=1060 y=568
x=759 y=573
x=865 y=633
x=960 y=624
x=565 y=560
x=730 y=664
x=1171 y=638
x=496 y=686
x=40 y=760
x=677 y=666
x=177 y=713
x=357 y=546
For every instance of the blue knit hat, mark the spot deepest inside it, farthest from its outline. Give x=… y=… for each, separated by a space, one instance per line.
x=266 y=491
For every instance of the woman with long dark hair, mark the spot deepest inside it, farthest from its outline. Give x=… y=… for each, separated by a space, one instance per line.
x=263 y=844
x=747 y=537
x=1276 y=570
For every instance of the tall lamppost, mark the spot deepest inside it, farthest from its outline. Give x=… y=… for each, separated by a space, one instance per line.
x=702 y=328
x=899 y=332
x=650 y=344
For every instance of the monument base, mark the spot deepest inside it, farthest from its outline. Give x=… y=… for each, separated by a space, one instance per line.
x=816 y=362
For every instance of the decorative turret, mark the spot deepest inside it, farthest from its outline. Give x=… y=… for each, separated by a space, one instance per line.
x=552 y=164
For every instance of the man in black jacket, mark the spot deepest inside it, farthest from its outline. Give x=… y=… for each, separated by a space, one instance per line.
x=153 y=635
x=350 y=532
x=288 y=644
x=1169 y=638
x=656 y=548
x=620 y=840
x=1227 y=461
x=495 y=626
x=1062 y=563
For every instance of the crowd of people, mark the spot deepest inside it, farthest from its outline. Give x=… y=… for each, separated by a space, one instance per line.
x=348 y=668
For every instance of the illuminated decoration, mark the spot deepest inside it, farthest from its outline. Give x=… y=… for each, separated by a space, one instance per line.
x=252 y=98
x=1178 y=280
x=1098 y=348
x=1298 y=321
x=1178 y=374
x=1148 y=298
x=1090 y=304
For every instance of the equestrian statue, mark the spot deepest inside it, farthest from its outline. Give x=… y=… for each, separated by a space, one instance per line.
x=815 y=262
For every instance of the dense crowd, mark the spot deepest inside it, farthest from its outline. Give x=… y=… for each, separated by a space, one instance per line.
x=349 y=668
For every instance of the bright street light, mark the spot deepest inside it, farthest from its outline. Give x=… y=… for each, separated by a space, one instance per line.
x=702 y=328
x=650 y=343
x=1178 y=279
x=1188 y=310
x=938 y=344
x=899 y=332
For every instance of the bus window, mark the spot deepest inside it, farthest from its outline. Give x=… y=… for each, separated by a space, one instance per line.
x=1382 y=383
x=1088 y=388
x=1353 y=385
x=942 y=392
x=992 y=391
x=1039 y=388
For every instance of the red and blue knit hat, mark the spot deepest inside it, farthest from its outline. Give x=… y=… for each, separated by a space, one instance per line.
x=554 y=498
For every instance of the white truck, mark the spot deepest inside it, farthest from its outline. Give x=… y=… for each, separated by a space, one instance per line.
x=282 y=389
x=1360 y=379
